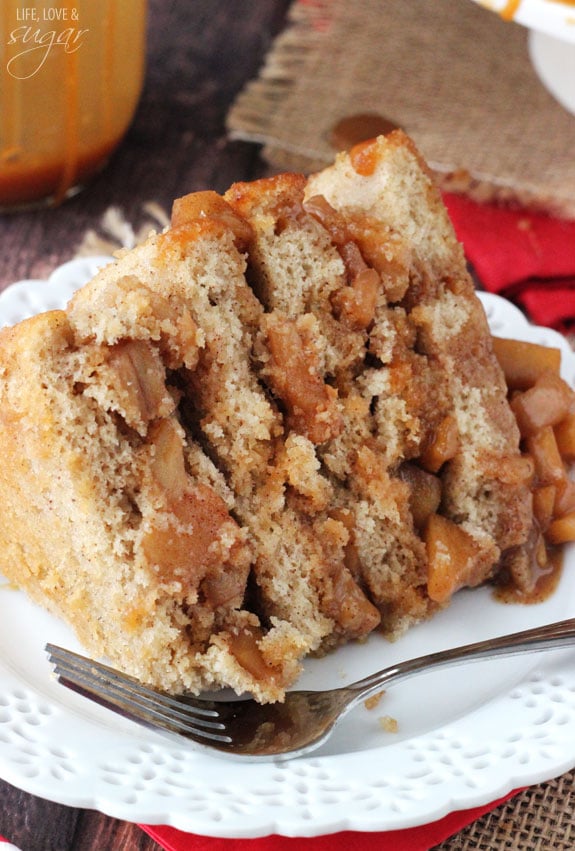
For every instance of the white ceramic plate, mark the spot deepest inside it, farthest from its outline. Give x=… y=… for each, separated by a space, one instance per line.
x=466 y=736
x=554 y=62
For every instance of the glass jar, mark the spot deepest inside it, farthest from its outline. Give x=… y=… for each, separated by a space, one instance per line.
x=71 y=75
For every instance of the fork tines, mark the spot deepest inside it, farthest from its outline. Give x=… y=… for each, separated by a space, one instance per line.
x=185 y=716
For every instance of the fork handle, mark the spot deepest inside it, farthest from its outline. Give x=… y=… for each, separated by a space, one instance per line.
x=550 y=637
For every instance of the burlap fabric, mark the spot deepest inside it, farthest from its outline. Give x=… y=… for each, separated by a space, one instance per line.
x=542 y=818
x=455 y=76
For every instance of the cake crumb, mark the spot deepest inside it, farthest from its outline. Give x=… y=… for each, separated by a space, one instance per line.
x=389 y=724
x=373 y=701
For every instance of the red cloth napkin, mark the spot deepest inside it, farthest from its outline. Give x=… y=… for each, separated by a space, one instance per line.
x=527 y=257
x=530 y=259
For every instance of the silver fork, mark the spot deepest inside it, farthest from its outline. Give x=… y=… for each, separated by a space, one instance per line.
x=244 y=729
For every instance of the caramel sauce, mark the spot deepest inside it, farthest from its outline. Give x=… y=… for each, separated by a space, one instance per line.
x=71 y=128
x=510 y=9
x=27 y=181
x=208 y=205
x=546 y=582
x=69 y=89
x=363 y=157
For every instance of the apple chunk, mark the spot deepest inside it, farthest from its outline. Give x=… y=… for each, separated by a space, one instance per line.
x=523 y=363
x=451 y=554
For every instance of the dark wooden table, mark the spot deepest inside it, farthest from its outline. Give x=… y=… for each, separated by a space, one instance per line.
x=200 y=54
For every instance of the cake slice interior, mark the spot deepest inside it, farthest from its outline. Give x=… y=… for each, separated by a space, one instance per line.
x=271 y=429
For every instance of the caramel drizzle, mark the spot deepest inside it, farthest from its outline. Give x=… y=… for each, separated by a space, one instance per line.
x=71 y=121
x=10 y=100
x=109 y=25
x=512 y=6
x=510 y=9
x=72 y=100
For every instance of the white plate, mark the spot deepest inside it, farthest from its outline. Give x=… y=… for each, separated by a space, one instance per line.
x=554 y=62
x=466 y=736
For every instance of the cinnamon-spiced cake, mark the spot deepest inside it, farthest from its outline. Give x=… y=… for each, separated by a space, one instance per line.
x=273 y=428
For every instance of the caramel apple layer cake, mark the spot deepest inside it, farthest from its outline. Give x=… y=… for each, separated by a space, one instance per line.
x=273 y=428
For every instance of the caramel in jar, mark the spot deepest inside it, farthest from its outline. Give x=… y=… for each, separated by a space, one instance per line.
x=71 y=75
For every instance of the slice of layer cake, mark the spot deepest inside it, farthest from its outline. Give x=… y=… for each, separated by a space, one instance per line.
x=269 y=430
